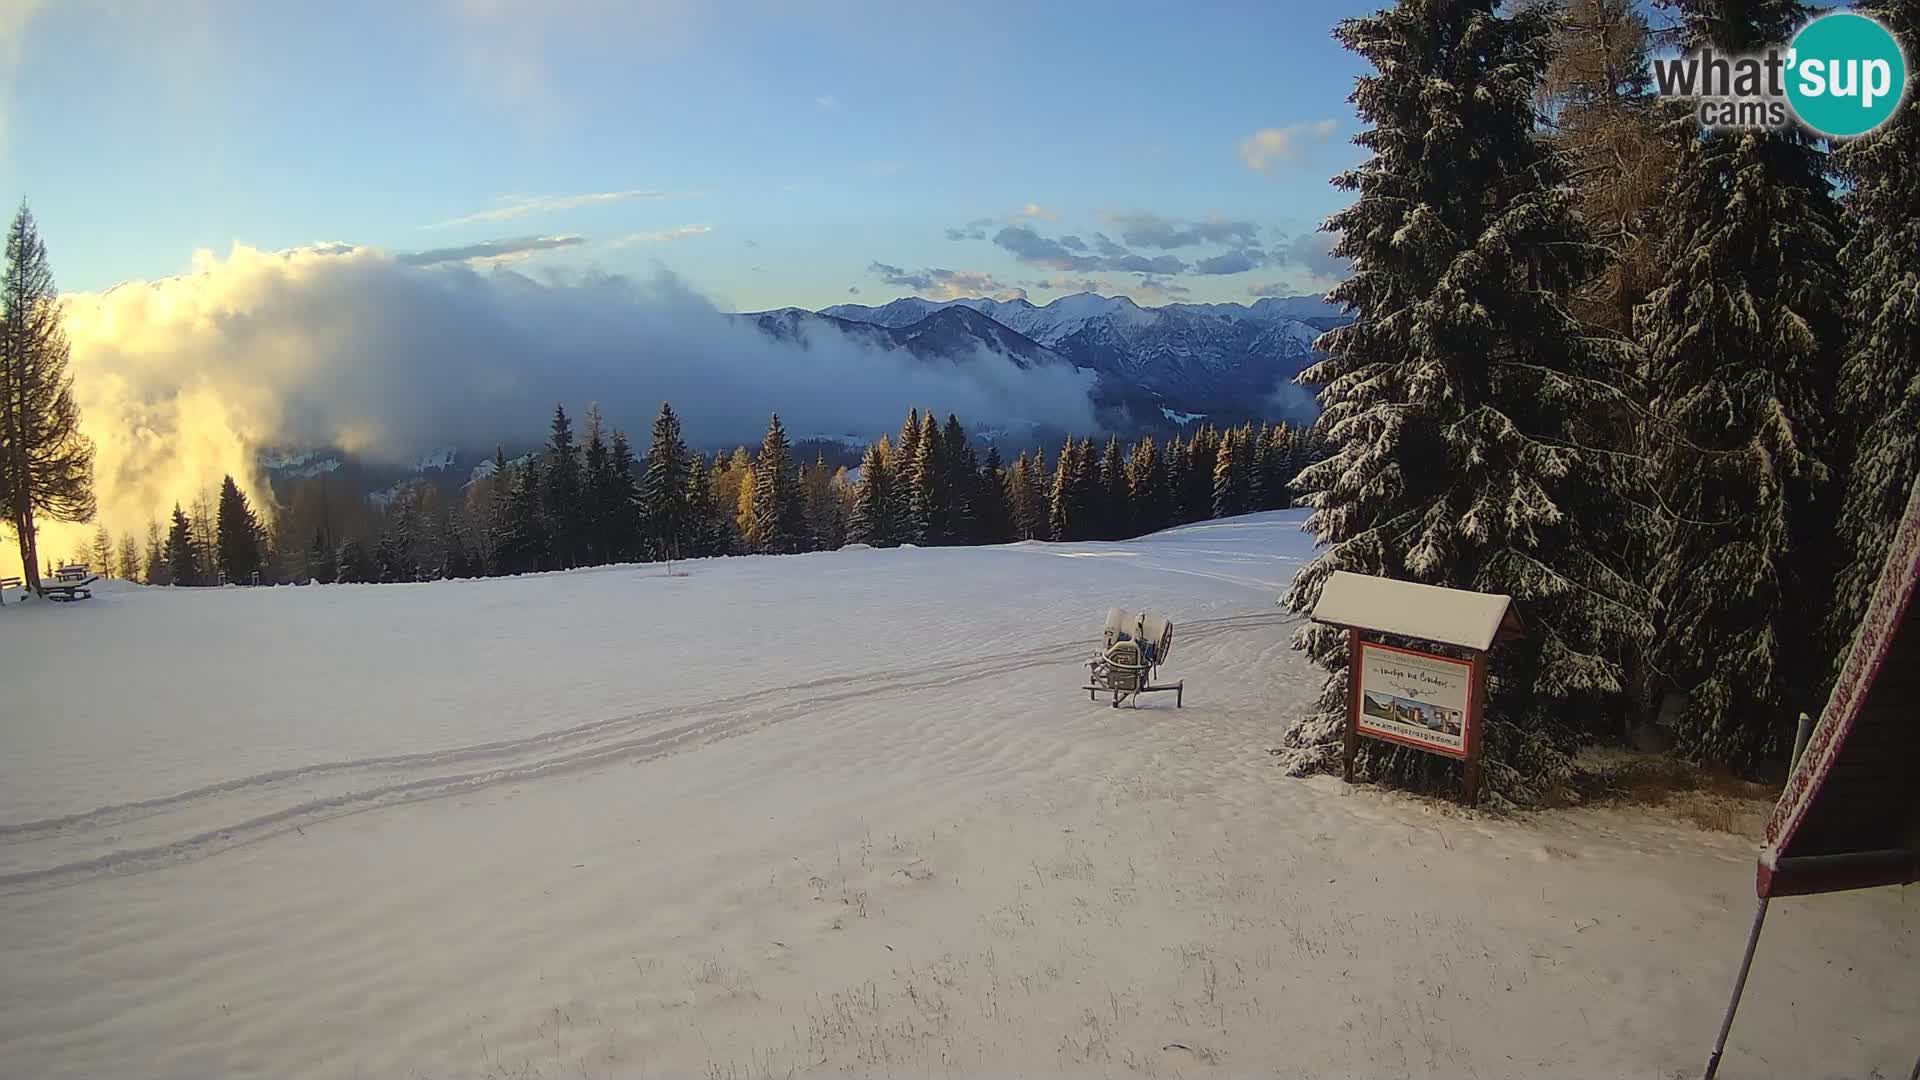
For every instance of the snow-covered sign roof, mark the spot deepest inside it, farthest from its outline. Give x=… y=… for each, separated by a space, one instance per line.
x=1470 y=620
x=1850 y=815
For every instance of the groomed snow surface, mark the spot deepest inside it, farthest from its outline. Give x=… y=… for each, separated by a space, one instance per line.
x=834 y=814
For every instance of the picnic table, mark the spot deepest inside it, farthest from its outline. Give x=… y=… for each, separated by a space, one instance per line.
x=69 y=583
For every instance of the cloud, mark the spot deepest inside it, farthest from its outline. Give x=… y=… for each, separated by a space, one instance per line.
x=1030 y=247
x=1149 y=288
x=1154 y=231
x=1033 y=212
x=1233 y=262
x=183 y=379
x=1073 y=243
x=1262 y=149
x=1066 y=284
x=970 y=232
x=1314 y=251
x=519 y=206
x=752 y=243
x=853 y=290
x=828 y=102
x=662 y=236
x=486 y=252
x=943 y=284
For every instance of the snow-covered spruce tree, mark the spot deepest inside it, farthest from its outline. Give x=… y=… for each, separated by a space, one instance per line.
x=1448 y=403
x=1878 y=397
x=706 y=526
x=1742 y=334
x=779 y=509
x=663 y=486
x=873 y=500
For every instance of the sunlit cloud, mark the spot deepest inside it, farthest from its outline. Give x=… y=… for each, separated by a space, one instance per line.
x=941 y=284
x=1269 y=146
x=661 y=236
x=484 y=253
x=515 y=206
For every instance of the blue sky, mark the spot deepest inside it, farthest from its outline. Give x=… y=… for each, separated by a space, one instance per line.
x=770 y=153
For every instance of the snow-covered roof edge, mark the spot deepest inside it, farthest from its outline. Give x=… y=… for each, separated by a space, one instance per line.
x=1469 y=620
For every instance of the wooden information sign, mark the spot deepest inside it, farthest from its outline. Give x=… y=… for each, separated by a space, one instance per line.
x=1426 y=700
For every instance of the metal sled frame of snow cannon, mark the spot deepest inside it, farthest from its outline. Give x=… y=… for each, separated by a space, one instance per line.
x=1135 y=647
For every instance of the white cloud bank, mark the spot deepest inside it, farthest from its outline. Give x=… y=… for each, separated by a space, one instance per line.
x=1268 y=146
x=184 y=379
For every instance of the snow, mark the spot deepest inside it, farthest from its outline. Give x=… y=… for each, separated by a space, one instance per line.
x=435 y=460
x=613 y=823
x=1427 y=612
x=1181 y=417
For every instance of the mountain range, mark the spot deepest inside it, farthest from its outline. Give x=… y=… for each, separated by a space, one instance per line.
x=1157 y=369
x=1229 y=362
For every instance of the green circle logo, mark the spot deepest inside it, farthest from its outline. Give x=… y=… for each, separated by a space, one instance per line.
x=1846 y=74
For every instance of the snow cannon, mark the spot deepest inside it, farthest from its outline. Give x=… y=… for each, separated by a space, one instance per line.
x=1133 y=646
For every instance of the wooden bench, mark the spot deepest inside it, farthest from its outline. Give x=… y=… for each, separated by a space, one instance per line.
x=8 y=583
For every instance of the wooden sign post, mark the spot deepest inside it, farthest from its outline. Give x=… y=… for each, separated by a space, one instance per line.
x=1426 y=700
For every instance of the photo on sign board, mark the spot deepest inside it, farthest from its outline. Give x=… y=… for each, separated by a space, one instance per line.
x=1414 y=697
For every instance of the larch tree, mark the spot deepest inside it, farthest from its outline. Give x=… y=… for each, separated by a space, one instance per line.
x=1742 y=334
x=1450 y=402
x=127 y=563
x=1877 y=400
x=46 y=463
x=100 y=552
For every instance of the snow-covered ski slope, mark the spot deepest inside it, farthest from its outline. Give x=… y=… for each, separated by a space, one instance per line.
x=843 y=813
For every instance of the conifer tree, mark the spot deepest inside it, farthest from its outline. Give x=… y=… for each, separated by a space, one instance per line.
x=1063 y=522
x=705 y=524
x=239 y=534
x=522 y=546
x=1280 y=468
x=624 y=503
x=127 y=563
x=601 y=503
x=183 y=562
x=1604 y=116
x=1742 y=335
x=1038 y=496
x=664 y=486
x=993 y=516
x=1203 y=453
x=323 y=563
x=930 y=503
x=1878 y=397
x=873 y=500
x=1452 y=400
x=779 y=521
x=100 y=553
x=1115 y=516
x=1176 y=458
x=1258 y=442
x=560 y=499
x=1226 y=486
x=1147 y=487
x=159 y=570
x=357 y=564
x=46 y=464
x=962 y=471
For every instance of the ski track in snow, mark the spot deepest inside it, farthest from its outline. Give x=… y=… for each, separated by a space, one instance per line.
x=842 y=814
